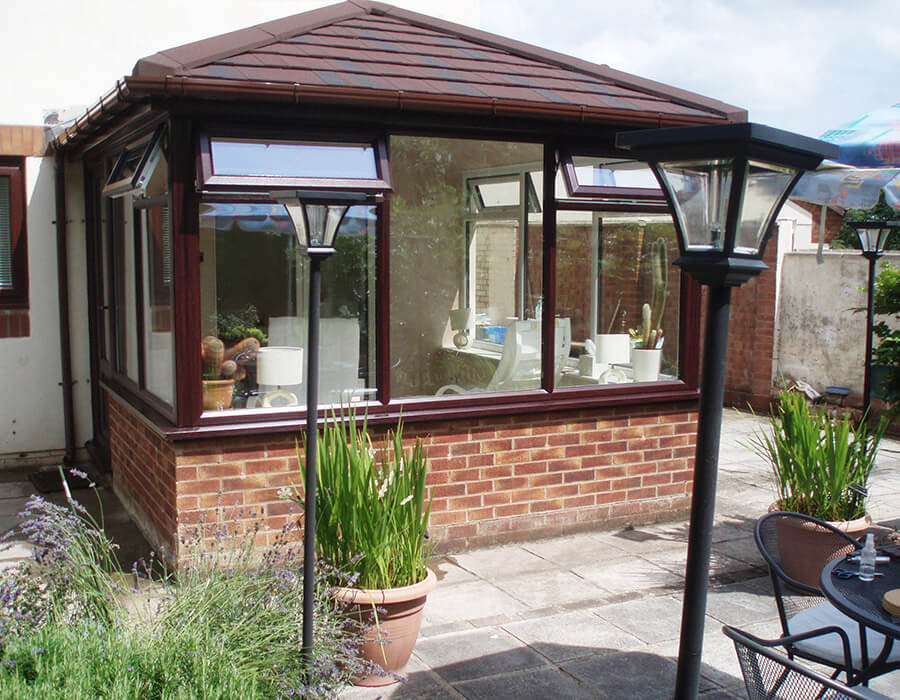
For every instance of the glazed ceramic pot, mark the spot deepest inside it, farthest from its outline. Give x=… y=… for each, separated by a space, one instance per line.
x=390 y=635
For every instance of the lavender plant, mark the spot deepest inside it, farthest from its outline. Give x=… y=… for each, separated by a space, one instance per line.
x=229 y=625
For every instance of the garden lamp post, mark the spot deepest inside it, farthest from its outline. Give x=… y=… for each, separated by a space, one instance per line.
x=873 y=235
x=316 y=217
x=724 y=185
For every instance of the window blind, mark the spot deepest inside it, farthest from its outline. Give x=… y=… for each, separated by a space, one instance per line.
x=6 y=267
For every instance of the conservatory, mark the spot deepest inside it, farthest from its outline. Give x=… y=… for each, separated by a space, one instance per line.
x=501 y=279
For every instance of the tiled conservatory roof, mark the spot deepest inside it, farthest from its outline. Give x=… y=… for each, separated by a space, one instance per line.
x=370 y=53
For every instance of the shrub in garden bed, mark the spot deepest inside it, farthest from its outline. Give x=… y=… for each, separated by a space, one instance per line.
x=228 y=626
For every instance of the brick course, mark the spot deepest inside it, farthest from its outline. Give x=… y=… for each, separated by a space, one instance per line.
x=493 y=479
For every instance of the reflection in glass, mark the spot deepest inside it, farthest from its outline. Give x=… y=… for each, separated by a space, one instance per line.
x=293 y=159
x=254 y=287
x=159 y=335
x=702 y=190
x=765 y=186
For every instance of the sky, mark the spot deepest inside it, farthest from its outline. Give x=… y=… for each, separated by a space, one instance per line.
x=799 y=65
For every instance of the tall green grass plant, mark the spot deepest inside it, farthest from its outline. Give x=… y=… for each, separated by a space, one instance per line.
x=821 y=465
x=371 y=509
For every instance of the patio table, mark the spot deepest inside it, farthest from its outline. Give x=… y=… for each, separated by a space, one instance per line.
x=861 y=601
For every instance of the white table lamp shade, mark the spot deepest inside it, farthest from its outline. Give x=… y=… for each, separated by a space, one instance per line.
x=460 y=319
x=279 y=366
x=613 y=348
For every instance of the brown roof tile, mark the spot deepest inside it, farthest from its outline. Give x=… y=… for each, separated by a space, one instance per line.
x=328 y=53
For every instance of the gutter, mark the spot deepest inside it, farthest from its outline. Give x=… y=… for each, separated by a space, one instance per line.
x=132 y=89
x=65 y=345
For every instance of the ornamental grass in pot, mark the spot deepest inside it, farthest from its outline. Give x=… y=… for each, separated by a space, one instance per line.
x=371 y=521
x=821 y=467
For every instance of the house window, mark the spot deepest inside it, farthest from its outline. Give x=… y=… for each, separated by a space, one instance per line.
x=227 y=163
x=466 y=240
x=137 y=289
x=615 y=243
x=254 y=282
x=13 y=239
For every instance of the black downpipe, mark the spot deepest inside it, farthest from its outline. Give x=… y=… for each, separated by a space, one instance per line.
x=65 y=343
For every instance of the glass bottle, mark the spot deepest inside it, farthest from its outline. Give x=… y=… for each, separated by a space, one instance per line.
x=867 y=560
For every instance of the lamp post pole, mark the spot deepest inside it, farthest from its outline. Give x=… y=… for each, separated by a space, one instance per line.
x=703 y=503
x=312 y=433
x=870 y=316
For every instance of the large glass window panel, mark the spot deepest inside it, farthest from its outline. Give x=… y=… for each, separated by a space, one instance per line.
x=159 y=335
x=466 y=237
x=609 y=265
x=128 y=308
x=254 y=303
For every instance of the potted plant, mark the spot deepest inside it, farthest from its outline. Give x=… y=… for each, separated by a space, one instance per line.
x=821 y=468
x=371 y=521
x=646 y=353
x=221 y=368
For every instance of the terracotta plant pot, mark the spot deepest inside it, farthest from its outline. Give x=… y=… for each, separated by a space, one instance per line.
x=389 y=641
x=217 y=394
x=806 y=548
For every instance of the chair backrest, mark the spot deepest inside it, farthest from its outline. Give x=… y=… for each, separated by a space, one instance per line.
x=769 y=675
x=520 y=362
x=338 y=352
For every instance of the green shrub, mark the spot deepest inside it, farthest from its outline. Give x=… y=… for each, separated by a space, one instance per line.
x=817 y=460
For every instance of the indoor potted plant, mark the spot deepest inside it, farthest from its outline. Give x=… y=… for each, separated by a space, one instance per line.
x=821 y=468
x=646 y=353
x=371 y=521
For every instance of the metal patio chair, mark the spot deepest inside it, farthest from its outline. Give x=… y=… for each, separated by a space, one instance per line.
x=837 y=640
x=770 y=675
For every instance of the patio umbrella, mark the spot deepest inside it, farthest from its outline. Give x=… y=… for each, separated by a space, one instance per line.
x=868 y=164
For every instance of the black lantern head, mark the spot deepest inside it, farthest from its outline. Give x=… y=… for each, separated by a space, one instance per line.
x=725 y=184
x=317 y=216
x=873 y=235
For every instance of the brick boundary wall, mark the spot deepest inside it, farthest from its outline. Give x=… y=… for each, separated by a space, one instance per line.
x=493 y=480
x=751 y=339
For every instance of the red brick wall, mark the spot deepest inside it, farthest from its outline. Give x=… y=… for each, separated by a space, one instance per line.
x=492 y=479
x=143 y=468
x=833 y=220
x=751 y=338
x=15 y=323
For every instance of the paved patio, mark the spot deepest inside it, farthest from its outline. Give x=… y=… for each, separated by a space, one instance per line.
x=584 y=616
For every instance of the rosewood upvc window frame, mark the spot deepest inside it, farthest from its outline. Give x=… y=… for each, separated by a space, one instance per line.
x=192 y=180
x=16 y=294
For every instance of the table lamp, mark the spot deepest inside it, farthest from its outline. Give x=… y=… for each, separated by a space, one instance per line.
x=279 y=367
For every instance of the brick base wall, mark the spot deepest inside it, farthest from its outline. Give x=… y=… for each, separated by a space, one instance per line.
x=492 y=479
x=143 y=469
